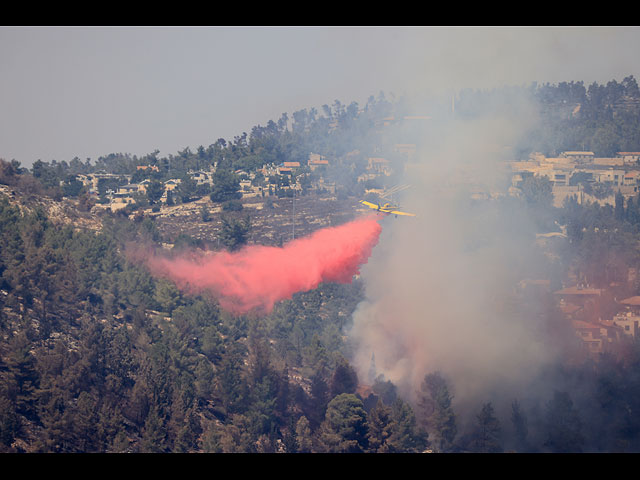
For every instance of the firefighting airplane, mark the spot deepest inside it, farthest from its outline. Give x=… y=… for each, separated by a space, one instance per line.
x=386 y=208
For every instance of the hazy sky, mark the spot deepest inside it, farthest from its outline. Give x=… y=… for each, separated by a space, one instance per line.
x=90 y=91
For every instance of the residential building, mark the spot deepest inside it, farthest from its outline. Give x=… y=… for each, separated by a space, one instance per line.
x=379 y=165
x=201 y=178
x=588 y=299
x=153 y=168
x=578 y=156
x=316 y=161
x=128 y=189
x=171 y=184
x=598 y=337
x=632 y=304
x=629 y=157
x=629 y=323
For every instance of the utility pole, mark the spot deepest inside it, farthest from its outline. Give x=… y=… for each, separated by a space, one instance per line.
x=294 y=215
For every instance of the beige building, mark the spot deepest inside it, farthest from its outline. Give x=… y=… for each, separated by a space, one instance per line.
x=629 y=322
x=578 y=156
x=379 y=165
x=316 y=161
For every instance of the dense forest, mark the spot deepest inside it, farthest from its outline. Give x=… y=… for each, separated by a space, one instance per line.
x=96 y=355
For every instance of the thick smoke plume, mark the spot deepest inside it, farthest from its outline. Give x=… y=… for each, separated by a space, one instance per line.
x=442 y=287
x=257 y=277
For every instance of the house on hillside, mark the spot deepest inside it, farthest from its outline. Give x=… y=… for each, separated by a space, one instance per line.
x=629 y=157
x=577 y=156
x=632 y=178
x=128 y=189
x=171 y=184
x=589 y=333
x=598 y=337
x=143 y=185
x=588 y=299
x=201 y=178
x=629 y=323
x=153 y=168
x=631 y=304
x=608 y=161
x=315 y=161
x=379 y=166
x=287 y=168
x=408 y=149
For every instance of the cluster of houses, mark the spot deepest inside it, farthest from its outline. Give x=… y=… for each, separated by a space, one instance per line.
x=125 y=193
x=602 y=322
x=571 y=171
x=583 y=305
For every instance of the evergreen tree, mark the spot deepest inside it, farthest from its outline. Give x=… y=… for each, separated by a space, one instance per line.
x=317 y=402
x=154 y=191
x=344 y=378
x=437 y=415
x=619 y=206
x=344 y=429
x=385 y=389
x=563 y=425
x=406 y=436
x=153 y=434
x=84 y=425
x=380 y=427
x=520 y=426
x=22 y=377
x=232 y=388
x=234 y=233
x=485 y=437
x=304 y=436
x=9 y=423
x=226 y=186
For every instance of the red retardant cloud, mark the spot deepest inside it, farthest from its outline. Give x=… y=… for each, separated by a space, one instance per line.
x=256 y=277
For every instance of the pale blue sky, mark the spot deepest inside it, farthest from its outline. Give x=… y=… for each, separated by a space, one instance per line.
x=90 y=91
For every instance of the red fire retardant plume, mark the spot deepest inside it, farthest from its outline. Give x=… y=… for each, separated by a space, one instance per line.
x=256 y=277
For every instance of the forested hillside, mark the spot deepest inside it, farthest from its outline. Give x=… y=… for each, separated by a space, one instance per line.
x=97 y=355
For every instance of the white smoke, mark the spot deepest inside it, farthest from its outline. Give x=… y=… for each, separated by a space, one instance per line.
x=439 y=287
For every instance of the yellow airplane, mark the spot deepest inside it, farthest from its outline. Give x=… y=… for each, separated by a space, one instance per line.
x=386 y=208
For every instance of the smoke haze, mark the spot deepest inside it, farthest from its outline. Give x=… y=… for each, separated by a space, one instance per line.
x=440 y=287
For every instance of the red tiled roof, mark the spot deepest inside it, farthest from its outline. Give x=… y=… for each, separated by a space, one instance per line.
x=578 y=291
x=631 y=301
x=579 y=324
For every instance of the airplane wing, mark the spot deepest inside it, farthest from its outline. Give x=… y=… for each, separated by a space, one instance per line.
x=396 y=212
x=369 y=204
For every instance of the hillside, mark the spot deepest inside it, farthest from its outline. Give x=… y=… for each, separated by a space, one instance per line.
x=273 y=222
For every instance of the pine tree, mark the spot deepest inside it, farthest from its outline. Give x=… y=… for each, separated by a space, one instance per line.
x=563 y=425
x=485 y=436
x=437 y=415
x=406 y=436
x=344 y=429
x=153 y=434
x=84 y=425
x=232 y=386
x=520 y=426
x=22 y=377
x=9 y=423
x=380 y=427
x=317 y=401
x=344 y=378
x=619 y=206
x=304 y=436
